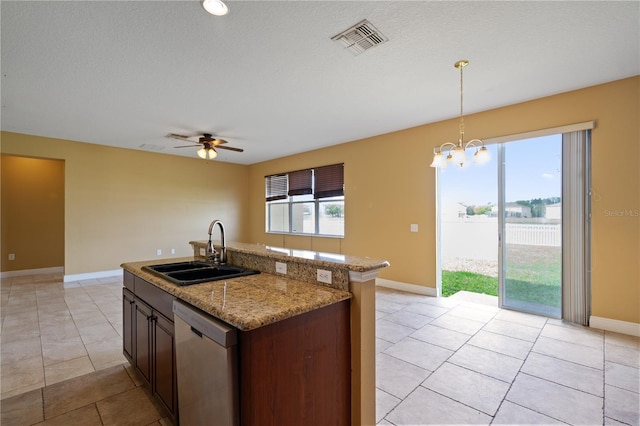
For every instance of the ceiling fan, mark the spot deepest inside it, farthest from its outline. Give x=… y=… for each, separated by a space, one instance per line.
x=207 y=142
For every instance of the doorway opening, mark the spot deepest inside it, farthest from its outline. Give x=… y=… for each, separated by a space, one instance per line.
x=32 y=215
x=501 y=227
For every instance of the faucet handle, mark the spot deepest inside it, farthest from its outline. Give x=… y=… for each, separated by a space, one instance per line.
x=211 y=250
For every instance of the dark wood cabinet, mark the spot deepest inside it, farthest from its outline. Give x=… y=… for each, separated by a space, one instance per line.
x=148 y=339
x=164 y=362
x=293 y=372
x=128 y=311
x=298 y=371
x=142 y=340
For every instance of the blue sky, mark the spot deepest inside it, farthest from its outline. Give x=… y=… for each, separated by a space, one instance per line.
x=533 y=170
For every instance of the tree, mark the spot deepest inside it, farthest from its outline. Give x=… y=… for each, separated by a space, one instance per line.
x=333 y=210
x=481 y=209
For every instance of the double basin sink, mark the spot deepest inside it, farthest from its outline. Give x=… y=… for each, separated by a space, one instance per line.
x=194 y=272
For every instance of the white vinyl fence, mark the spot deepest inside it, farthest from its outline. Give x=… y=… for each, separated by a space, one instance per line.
x=534 y=234
x=478 y=238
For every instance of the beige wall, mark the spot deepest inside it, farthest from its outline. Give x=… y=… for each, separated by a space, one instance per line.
x=389 y=185
x=32 y=213
x=121 y=205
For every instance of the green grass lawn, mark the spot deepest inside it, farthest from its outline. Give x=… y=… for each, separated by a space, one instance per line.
x=455 y=281
x=533 y=276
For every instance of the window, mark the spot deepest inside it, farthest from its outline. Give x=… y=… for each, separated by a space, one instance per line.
x=307 y=202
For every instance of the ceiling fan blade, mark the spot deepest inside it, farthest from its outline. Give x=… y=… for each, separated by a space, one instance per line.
x=177 y=136
x=186 y=146
x=217 y=141
x=230 y=148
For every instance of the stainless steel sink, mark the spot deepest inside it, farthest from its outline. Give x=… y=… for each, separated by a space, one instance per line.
x=188 y=273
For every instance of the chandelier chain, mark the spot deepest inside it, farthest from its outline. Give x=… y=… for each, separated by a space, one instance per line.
x=461 y=109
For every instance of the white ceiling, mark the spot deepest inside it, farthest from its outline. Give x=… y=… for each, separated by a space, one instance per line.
x=268 y=78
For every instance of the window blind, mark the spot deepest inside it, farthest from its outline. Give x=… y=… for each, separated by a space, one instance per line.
x=300 y=182
x=329 y=181
x=576 y=220
x=276 y=187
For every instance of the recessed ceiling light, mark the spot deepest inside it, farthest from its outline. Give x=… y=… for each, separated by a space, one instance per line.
x=215 y=7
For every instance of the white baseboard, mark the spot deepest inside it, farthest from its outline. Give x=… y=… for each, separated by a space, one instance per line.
x=92 y=275
x=409 y=288
x=39 y=271
x=617 y=326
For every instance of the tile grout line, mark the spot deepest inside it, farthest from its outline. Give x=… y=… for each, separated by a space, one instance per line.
x=521 y=372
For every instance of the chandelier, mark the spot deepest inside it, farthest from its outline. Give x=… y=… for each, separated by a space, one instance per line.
x=456 y=153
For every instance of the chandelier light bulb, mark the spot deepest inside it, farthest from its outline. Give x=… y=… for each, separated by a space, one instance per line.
x=482 y=156
x=438 y=160
x=459 y=157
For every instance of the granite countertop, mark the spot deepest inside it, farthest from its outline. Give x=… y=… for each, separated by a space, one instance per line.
x=316 y=258
x=247 y=302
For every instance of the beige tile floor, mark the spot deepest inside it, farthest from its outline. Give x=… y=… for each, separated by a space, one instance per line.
x=461 y=360
x=439 y=361
x=53 y=331
x=61 y=352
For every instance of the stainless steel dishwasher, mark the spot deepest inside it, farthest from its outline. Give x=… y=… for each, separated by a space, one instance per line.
x=207 y=368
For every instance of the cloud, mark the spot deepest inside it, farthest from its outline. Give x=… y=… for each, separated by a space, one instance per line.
x=548 y=176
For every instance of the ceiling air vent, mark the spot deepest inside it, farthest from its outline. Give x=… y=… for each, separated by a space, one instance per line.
x=362 y=36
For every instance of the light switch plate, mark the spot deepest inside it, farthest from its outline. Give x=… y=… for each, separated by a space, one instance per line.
x=159 y=252
x=203 y=252
x=414 y=227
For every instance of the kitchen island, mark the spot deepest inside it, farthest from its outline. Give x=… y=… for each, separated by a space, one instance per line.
x=292 y=314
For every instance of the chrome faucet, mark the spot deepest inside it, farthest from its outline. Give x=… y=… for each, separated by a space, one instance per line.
x=212 y=254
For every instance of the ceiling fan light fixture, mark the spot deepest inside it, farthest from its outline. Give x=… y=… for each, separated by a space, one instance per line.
x=215 y=7
x=202 y=153
x=212 y=153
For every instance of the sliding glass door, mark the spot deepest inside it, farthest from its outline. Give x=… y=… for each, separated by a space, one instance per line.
x=530 y=224
x=534 y=201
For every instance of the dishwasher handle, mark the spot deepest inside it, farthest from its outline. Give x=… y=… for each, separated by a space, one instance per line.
x=205 y=325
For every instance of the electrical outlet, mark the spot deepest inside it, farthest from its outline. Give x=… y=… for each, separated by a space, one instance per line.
x=203 y=252
x=414 y=227
x=324 y=276
x=12 y=256
x=281 y=268
x=159 y=252
x=173 y=251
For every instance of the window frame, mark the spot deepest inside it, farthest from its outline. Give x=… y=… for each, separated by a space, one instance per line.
x=291 y=201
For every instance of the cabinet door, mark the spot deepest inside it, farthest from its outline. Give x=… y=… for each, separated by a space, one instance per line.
x=164 y=369
x=142 y=340
x=298 y=371
x=128 y=330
